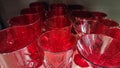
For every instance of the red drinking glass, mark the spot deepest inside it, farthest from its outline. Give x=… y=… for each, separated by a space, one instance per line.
x=42 y=5
x=79 y=61
x=38 y=11
x=19 y=49
x=58 y=22
x=57 y=6
x=100 y=50
x=57 y=9
x=58 y=46
x=108 y=24
x=82 y=14
x=93 y=25
x=98 y=15
x=113 y=32
x=27 y=11
x=31 y=20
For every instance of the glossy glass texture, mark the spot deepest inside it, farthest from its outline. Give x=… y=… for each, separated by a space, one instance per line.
x=100 y=50
x=93 y=25
x=58 y=22
x=18 y=48
x=57 y=9
x=31 y=20
x=58 y=6
x=42 y=5
x=80 y=61
x=97 y=14
x=58 y=46
x=38 y=11
x=113 y=32
x=82 y=14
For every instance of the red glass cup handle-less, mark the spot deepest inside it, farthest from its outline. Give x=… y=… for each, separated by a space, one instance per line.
x=100 y=50
x=19 y=49
x=33 y=21
x=58 y=47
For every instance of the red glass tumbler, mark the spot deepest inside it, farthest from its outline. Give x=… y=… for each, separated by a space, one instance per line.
x=58 y=46
x=57 y=9
x=96 y=26
x=19 y=49
x=31 y=20
x=58 y=22
x=100 y=50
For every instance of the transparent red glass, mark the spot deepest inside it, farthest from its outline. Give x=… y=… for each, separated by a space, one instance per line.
x=31 y=20
x=42 y=5
x=57 y=6
x=97 y=14
x=58 y=22
x=58 y=46
x=19 y=48
x=38 y=11
x=100 y=50
x=80 y=61
x=82 y=14
x=113 y=32
x=27 y=11
x=93 y=25
x=57 y=9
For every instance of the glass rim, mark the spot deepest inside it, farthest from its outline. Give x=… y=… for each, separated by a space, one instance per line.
x=99 y=12
x=116 y=25
x=96 y=20
x=20 y=16
x=26 y=44
x=83 y=54
x=39 y=44
x=63 y=16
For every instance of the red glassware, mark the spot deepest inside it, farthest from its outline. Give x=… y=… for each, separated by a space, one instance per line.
x=42 y=5
x=80 y=61
x=38 y=11
x=100 y=50
x=58 y=6
x=58 y=46
x=27 y=11
x=56 y=12
x=94 y=25
x=58 y=22
x=57 y=9
x=97 y=15
x=31 y=20
x=82 y=14
x=113 y=32
x=19 y=49
x=109 y=22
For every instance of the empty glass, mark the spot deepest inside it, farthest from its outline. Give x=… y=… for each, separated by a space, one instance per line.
x=43 y=5
x=100 y=50
x=57 y=9
x=19 y=49
x=58 y=22
x=58 y=46
x=98 y=15
x=93 y=25
x=38 y=11
x=31 y=20
x=82 y=14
